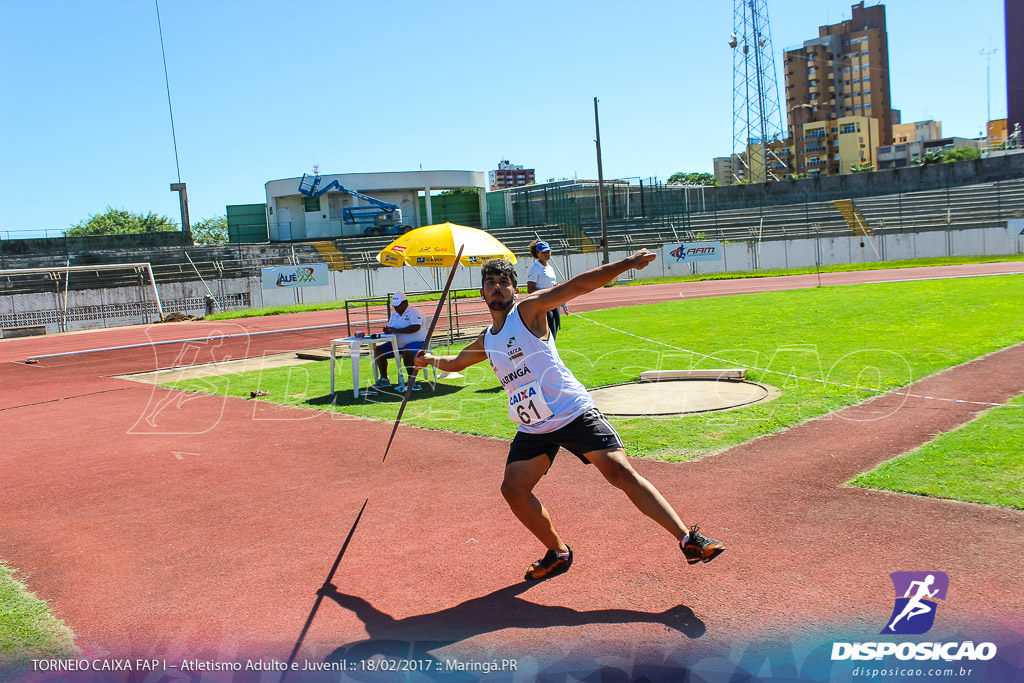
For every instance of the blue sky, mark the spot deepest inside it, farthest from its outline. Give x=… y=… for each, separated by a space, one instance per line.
x=261 y=90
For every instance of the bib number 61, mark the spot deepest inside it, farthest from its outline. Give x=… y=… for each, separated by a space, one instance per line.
x=524 y=413
x=526 y=405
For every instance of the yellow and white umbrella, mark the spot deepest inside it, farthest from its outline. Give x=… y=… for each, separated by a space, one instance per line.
x=436 y=246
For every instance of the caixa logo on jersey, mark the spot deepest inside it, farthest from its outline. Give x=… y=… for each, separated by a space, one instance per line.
x=522 y=395
x=913 y=613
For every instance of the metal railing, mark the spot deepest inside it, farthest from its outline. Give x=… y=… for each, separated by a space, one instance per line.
x=462 y=316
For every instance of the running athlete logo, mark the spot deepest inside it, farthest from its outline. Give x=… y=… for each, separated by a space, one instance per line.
x=916 y=601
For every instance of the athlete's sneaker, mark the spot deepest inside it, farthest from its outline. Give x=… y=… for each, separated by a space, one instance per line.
x=700 y=548
x=548 y=566
x=383 y=383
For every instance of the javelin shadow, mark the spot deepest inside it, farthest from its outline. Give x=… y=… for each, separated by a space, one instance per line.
x=414 y=637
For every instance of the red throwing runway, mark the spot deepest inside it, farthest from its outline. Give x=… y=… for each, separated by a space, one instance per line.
x=199 y=526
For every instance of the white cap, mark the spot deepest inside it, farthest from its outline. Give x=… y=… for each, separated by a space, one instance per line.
x=397 y=298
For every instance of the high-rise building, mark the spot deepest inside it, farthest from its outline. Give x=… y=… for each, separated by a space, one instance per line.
x=1014 y=14
x=841 y=74
x=508 y=175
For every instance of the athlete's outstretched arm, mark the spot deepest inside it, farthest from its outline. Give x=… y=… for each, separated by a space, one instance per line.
x=543 y=300
x=473 y=353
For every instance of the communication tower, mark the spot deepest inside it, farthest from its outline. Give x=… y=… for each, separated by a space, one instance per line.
x=756 y=115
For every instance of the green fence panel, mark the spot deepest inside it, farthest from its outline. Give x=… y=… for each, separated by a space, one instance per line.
x=463 y=209
x=247 y=223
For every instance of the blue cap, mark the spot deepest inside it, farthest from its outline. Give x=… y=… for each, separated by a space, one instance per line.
x=542 y=246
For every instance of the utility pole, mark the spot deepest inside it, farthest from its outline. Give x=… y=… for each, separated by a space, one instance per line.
x=600 y=186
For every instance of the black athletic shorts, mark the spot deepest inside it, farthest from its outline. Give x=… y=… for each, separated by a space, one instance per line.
x=591 y=431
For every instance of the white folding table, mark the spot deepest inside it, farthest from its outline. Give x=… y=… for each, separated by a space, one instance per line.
x=355 y=344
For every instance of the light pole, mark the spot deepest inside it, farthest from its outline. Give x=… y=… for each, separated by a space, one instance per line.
x=988 y=89
x=796 y=126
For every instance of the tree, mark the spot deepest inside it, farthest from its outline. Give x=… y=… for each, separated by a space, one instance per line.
x=681 y=178
x=862 y=168
x=928 y=159
x=460 y=190
x=797 y=176
x=961 y=154
x=121 y=222
x=210 y=230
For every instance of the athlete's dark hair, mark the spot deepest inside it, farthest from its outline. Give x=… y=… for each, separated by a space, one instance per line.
x=499 y=266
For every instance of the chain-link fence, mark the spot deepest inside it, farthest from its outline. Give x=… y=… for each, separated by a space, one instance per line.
x=645 y=212
x=943 y=221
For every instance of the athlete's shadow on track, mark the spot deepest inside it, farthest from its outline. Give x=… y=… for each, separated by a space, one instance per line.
x=412 y=637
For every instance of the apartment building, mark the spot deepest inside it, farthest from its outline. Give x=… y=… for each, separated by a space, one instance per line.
x=899 y=155
x=508 y=175
x=908 y=144
x=838 y=80
x=729 y=170
x=905 y=154
x=918 y=131
x=836 y=147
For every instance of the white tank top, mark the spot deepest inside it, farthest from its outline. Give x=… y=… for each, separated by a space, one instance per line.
x=542 y=393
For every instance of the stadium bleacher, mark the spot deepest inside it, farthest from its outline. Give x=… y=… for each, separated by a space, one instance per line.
x=953 y=208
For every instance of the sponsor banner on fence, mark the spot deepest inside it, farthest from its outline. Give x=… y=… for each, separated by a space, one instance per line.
x=693 y=251
x=295 y=276
x=1015 y=227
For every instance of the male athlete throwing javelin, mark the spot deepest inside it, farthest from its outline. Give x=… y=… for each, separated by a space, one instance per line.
x=554 y=410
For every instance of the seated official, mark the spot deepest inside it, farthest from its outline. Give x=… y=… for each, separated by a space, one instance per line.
x=406 y=323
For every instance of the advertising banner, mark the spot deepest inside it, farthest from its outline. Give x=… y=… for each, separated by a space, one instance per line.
x=688 y=252
x=1015 y=227
x=295 y=276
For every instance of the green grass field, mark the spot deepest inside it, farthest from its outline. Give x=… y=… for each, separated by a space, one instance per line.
x=981 y=462
x=839 y=268
x=730 y=275
x=881 y=336
x=27 y=628
x=323 y=306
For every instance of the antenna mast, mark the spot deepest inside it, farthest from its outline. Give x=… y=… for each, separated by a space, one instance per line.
x=756 y=114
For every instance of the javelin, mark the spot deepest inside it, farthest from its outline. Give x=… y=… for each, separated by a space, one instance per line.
x=426 y=344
